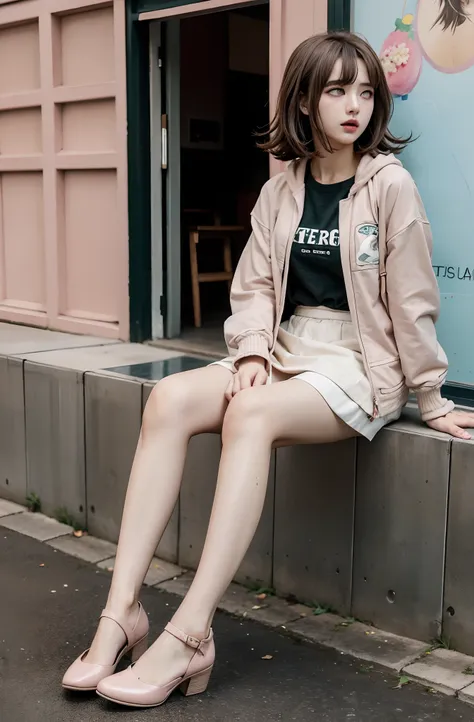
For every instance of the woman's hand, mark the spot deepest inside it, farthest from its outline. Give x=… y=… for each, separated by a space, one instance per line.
x=251 y=372
x=454 y=423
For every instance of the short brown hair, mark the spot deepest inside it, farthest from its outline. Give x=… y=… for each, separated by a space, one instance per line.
x=292 y=133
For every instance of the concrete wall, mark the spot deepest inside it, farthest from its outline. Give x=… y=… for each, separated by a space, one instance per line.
x=63 y=184
x=377 y=530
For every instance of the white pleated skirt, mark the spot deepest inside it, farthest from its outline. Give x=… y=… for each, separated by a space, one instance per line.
x=320 y=346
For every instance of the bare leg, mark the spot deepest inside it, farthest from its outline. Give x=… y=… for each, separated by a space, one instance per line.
x=290 y=412
x=179 y=407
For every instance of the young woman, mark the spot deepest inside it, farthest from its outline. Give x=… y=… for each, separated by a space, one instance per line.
x=333 y=309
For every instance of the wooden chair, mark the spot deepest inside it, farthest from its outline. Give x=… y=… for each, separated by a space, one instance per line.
x=215 y=233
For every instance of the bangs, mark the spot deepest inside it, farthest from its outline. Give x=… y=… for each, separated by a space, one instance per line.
x=349 y=56
x=350 y=69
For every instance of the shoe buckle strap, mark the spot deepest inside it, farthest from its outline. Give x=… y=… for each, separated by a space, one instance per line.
x=107 y=615
x=187 y=639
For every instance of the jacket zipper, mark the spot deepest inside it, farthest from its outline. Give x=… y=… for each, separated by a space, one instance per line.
x=284 y=282
x=355 y=320
x=375 y=410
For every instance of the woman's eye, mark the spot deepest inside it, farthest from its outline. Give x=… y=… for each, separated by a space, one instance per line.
x=367 y=94
x=336 y=91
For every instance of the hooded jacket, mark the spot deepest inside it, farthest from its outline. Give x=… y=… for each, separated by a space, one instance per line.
x=393 y=296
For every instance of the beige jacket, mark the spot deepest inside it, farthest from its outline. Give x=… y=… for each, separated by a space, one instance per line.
x=386 y=243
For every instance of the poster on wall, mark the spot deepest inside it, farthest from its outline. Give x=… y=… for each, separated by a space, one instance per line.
x=427 y=50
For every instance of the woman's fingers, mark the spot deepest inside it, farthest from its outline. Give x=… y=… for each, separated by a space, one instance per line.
x=261 y=378
x=458 y=432
x=229 y=390
x=245 y=379
x=463 y=419
x=448 y=425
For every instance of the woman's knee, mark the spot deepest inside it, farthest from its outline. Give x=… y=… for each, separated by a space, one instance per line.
x=168 y=404
x=246 y=415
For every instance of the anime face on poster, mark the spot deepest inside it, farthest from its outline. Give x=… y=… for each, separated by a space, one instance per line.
x=441 y=32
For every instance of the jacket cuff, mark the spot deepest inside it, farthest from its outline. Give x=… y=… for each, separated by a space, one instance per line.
x=432 y=405
x=253 y=345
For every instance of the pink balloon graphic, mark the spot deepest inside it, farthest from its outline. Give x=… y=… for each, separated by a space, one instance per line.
x=402 y=58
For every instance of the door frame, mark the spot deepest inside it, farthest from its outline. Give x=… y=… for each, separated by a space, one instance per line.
x=165 y=290
x=165 y=190
x=340 y=14
x=197 y=7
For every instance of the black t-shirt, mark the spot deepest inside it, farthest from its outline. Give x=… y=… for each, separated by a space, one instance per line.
x=315 y=274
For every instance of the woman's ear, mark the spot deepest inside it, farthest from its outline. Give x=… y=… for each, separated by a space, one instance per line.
x=304 y=105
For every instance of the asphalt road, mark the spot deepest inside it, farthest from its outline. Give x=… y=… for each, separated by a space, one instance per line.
x=42 y=631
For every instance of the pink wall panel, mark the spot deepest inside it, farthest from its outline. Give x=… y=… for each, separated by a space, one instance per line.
x=20 y=131
x=89 y=126
x=87 y=40
x=19 y=58
x=63 y=166
x=90 y=286
x=23 y=240
x=287 y=29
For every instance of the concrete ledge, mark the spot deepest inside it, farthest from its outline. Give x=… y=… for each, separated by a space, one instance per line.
x=458 y=617
x=55 y=453
x=12 y=431
x=314 y=523
x=359 y=528
x=401 y=512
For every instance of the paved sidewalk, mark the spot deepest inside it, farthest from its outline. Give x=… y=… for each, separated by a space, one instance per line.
x=48 y=609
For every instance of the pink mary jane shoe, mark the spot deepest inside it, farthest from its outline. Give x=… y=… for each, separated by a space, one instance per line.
x=83 y=676
x=127 y=688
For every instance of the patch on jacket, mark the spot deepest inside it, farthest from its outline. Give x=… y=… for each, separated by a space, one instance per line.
x=367 y=244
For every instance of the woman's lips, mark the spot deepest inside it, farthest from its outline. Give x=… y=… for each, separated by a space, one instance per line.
x=350 y=126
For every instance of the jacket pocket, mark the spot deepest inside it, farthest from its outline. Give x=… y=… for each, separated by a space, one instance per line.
x=392 y=389
x=388 y=378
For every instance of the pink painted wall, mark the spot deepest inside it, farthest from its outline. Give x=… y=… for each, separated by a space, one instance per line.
x=287 y=29
x=63 y=166
x=63 y=163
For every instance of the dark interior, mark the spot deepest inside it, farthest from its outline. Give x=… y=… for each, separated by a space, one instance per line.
x=224 y=102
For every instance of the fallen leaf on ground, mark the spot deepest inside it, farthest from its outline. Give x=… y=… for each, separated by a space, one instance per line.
x=78 y=533
x=41 y=565
x=256 y=606
x=402 y=682
x=268 y=656
x=261 y=596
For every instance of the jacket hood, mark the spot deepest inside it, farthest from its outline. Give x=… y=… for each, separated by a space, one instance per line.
x=368 y=167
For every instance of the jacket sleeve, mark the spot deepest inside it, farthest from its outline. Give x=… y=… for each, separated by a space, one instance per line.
x=413 y=299
x=249 y=330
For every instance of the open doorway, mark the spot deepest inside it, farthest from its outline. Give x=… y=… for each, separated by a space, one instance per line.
x=223 y=102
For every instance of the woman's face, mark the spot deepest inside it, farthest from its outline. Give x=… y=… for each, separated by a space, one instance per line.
x=345 y=110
